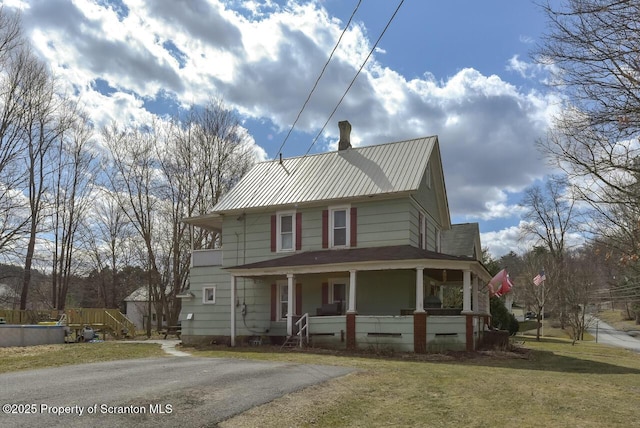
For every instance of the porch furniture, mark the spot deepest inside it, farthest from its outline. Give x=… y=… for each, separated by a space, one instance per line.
x=329 y=309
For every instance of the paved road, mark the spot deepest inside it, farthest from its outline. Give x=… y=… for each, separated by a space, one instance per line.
x=610 y=336
x=157 y=392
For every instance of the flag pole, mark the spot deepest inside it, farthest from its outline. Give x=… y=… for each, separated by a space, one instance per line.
x=542 y=315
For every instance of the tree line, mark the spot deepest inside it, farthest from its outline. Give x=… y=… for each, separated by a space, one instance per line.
x=82 y=201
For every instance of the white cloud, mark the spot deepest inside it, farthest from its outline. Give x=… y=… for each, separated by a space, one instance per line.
x=263 y=59
x=503 y=241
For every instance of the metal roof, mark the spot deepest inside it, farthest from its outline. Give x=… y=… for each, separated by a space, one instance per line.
x=355 y=172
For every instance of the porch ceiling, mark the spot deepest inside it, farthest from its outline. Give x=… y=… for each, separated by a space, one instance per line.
x=373 y=258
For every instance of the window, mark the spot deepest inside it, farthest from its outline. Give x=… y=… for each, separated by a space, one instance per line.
x=283 y=300
x=427 y=175
x=438 y=240
x=286 y=231
x=209 y=295
x=338 y=294
x=154 y=317
x=422 y=226
x=339 y=227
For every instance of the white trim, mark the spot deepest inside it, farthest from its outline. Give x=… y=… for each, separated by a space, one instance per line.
x=347 y=238
x=279 y=216
x=205 y=297
x=472 y=265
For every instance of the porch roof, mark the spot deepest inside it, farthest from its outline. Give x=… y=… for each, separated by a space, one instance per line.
x=370 y=258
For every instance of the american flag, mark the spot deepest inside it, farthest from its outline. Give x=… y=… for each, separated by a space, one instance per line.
x=539 y=278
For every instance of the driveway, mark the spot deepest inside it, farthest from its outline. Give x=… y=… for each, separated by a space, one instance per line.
x=152 y=392
x=608 y=335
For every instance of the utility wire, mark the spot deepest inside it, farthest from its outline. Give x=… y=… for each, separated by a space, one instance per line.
x=279 y=152
x=354 y=79
x=315 y=85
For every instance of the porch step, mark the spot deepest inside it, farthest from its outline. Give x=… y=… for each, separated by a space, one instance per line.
x=292 y=342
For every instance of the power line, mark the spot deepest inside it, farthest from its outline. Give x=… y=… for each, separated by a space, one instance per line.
x=279 y=152
x=318 y=78
x=354 y=79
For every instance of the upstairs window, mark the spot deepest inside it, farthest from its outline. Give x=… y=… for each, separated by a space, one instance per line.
x=286 y=231
x=339 y=229
x=422 y=227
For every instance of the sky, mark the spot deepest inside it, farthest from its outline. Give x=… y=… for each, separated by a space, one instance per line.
x=459 y=69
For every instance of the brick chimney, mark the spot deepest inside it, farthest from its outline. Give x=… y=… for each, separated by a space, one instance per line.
x=345 y=135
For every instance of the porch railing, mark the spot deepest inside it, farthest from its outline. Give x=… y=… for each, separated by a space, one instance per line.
x=303 y=329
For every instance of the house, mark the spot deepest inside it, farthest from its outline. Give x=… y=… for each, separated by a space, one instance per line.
x=352 y=249
x=137 y=308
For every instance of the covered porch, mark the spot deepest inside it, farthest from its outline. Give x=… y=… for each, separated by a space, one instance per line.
x=400 y=297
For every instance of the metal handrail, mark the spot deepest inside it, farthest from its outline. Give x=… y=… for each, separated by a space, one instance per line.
x=303 y=326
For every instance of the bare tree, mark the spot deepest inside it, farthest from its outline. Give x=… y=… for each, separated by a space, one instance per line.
x=204 y=156
x=14 y=60
x=73 y=184
x=551 y=217
x=44 y=122
x=134 y=183
x=109 y=236
x=593 y=46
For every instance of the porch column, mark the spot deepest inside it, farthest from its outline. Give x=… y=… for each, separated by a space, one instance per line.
x=420 y=316
x=351 y=312
x=290 y=303
x=475 y=302
x=466 y=291
x=466 y=308
x=352 y=291
x=419 y=289
x=233 y=310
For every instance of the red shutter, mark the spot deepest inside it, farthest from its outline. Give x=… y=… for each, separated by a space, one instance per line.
x=354 y=227
x=274 y=219
x=298 y=231
x=298 y=299
x=325 y=293
x=325 y=229
x=274 y=301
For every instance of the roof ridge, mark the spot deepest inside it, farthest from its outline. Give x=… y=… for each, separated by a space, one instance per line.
x=349 y=149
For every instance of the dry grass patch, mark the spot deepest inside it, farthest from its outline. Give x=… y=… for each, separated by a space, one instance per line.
x=555 y=384
x=617 y=320
x=34 y=357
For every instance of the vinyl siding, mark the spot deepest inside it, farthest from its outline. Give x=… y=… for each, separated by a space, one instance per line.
x=383 y=223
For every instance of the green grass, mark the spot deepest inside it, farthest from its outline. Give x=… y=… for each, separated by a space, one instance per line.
x=34 y=357
x=553 y=384
x=546 y=383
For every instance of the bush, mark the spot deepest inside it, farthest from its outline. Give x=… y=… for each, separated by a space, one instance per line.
x=501 y=318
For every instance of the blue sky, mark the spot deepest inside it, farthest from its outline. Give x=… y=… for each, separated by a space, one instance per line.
x=458 y=69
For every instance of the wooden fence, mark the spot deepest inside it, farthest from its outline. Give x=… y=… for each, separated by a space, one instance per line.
x=111 y=320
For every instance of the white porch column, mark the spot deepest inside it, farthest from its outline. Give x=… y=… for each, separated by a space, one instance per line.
x=475 y=302
x=290 y=303
x=352 y=291
x=233 y=310
x=466 y=291
x=419 y=289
